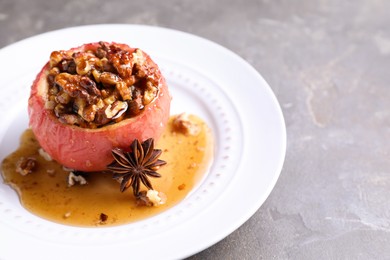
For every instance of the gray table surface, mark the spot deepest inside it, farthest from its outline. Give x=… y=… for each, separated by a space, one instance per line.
x=328 y=62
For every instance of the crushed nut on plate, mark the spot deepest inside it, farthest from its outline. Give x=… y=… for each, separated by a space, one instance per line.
x=151 y=198
x=26 y=165
x=103 y=218
x=183 y=124
x=73 y=179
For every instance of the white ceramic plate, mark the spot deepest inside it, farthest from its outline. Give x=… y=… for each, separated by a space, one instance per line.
x=205 y=79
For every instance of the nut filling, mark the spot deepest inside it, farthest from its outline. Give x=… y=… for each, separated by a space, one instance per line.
x=105 y=85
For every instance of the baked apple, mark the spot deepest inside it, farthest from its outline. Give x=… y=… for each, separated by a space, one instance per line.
x=96 y=97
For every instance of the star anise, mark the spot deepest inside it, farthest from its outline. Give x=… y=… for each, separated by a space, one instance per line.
x=134 y=167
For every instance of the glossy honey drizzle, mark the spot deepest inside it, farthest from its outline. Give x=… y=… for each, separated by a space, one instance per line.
x=45 y=192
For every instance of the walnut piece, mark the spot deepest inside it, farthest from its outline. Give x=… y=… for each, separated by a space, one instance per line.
x=156 y=197
x=83 y=86
x=103 y=218
x=183 y=124
x=25 y=165
x=73 y=179
x=115 y=109
x=151 y=198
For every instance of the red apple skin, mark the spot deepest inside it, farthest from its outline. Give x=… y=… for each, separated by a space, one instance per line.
x=86 y=149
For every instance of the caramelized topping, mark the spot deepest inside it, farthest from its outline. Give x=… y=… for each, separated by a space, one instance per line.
x=100 y=86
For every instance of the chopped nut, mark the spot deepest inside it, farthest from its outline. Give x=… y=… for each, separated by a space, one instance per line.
x=123 y=90
x=70 y=119
x=150 y=94
x=90 y=86
x=83 y=84
x=53 y=72
x=25 y=165
x=79 y=105
x=156 y=197
x=103 y=217
x=63 y=98
x=73 y=179
x=151 y=198
x=101 y=53
x=59 y=110
x=130 y=81
x=116 y=109
x=106 y=65
x=183 y=124
x=138 y=57
x=100 y=104
x=56 y=57
x=96 y=75
x=101 y=118
x=109 y=78
x=84 y=62
x=134 y=108
x=89 y=112
x=109 y=100
x=122 y=62
x=143 y=200
x=44 y=154
x=67 y=65
x=68 y=83
x=50 y=105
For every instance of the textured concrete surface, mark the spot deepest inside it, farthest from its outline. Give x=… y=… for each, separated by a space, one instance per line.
x=328 y=63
